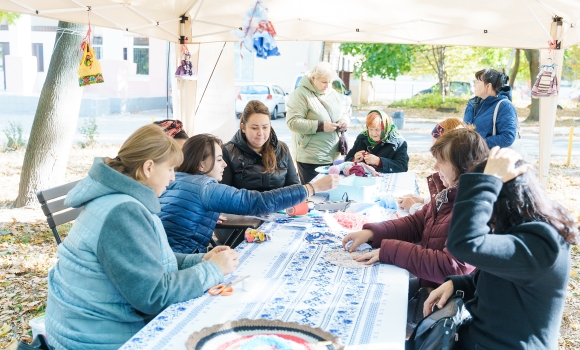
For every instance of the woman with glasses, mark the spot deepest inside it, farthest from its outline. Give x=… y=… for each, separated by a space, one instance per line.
x=491 y=88
x=380 y=145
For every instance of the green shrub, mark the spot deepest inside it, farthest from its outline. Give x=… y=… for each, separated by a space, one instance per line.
x=431 y=101
x=89 y=130
x=14 y=135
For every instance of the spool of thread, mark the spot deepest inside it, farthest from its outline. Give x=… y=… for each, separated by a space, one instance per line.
x=300 y=209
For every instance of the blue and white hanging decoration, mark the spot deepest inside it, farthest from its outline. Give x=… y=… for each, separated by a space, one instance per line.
x=257 y=32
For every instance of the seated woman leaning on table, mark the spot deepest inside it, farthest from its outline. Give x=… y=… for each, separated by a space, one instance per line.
x=380 y=145
x=519 y=240
x=410 y=202
x=115 y=270
x=255 y=158
x=429 y=261
x=191 y=205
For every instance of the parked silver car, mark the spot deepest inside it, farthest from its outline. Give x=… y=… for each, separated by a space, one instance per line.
x=339 y=86
x=271 y=95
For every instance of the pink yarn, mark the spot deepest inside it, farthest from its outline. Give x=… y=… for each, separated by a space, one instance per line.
x=346 y=170
x=334 y=170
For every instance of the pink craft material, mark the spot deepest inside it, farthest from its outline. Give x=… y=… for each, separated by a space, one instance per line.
x=351 y=221
x=300 y=209
x=334 y=170
x=357 y=170
x=346 y=170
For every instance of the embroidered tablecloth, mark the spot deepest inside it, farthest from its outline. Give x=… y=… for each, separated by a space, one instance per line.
x=293 y=282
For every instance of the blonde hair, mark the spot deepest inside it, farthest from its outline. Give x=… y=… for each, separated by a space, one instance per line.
x=149 y=142
x=322 y=70
x=452 y=124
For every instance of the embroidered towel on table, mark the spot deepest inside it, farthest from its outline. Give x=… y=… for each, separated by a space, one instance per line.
x=517 y=145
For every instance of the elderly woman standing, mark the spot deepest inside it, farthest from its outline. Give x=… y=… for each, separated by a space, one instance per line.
x=314 y=115
x=380 y=145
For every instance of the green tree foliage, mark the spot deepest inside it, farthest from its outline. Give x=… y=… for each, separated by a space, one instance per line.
x=8 y=17
x=571 y=69
x=381 y=60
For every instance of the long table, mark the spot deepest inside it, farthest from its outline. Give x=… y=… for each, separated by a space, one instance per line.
x=365 y=307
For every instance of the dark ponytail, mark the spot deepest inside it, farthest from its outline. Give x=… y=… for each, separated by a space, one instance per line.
x=496 y=78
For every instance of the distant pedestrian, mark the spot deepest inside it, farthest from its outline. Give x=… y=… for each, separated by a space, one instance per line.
x=490 y=88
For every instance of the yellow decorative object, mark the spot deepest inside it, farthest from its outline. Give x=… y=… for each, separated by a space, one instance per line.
x=255 y=236
x=90 y=68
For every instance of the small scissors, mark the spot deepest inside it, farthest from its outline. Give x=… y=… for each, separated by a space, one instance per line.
x=225 y=290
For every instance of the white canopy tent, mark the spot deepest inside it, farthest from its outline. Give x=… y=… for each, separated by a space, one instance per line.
x=491 y=23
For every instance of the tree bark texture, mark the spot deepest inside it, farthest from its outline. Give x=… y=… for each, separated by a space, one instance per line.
x=515 y=67
x=533 y=57
x=56 y=117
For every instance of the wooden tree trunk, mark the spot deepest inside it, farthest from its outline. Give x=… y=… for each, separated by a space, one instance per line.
x=516 y=66
x=55 y=120
x=533 y=57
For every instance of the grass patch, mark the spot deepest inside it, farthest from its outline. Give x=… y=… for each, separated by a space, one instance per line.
x=431 y=101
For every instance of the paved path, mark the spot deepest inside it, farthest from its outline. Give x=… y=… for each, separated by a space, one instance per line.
x=116 y=128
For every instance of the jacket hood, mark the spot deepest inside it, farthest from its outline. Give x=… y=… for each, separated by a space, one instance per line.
x=307 y=83
x=104 y=180
x=239 y=140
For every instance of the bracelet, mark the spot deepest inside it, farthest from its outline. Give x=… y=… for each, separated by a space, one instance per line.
x=311 y=186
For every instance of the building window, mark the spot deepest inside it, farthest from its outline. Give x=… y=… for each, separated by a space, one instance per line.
x=141 y=55
x=125 y=53
x=98 y=46
x=38 y=52
x=243 y=67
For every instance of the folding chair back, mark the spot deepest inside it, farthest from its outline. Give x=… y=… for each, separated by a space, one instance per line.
x=52 y=203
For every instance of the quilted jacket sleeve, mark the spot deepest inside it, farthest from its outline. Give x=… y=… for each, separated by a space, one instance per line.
x=399 y=163
x=408 y=228
x=226 y=199
x=506 y=126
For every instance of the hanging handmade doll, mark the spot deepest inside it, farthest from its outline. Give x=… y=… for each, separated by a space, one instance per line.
x=546 y=82
x=257 y=32
x=185 y=69
x=90 y=68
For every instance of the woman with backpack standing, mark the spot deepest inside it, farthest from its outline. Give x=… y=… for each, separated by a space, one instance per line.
x=490 y=89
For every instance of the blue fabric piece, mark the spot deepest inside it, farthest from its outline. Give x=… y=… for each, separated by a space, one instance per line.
x=265 y=45
x=480 y=113
x=365 y=247
x=191 y=205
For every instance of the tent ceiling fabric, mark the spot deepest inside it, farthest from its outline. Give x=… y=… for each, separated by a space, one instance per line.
x=509 y=23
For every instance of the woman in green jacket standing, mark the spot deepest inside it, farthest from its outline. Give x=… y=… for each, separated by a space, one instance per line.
x=315 y=117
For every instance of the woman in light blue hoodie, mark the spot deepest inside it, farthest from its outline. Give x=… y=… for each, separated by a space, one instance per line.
x=490 y=89
x=116 y=270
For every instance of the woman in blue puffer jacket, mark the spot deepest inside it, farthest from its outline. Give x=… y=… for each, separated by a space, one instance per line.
x=491 y=88
x=191 y=205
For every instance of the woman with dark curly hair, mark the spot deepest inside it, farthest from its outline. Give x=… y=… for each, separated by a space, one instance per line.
x=519 y=240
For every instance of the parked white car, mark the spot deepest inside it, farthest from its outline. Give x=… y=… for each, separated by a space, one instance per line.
x=339 y=86
x=271 y=95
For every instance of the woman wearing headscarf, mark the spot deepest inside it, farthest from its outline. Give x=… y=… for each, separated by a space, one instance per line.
x=380 y=145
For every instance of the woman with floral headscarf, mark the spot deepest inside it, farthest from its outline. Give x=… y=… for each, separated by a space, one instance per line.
x=380 y=145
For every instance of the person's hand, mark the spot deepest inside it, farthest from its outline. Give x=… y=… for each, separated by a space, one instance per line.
x=342 y=125
x=221 y=219
x=359 y=156
x=372 y=257
x=226 y=260
x=214 y=251
x=330 y=127
x=439 y=296
x=371 y=159
x=501 y=163
x=405 y=202
x=325 y=183
x=358 y=238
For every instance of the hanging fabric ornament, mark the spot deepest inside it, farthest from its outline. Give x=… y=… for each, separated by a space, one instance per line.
x=185 y=69
x=257 y=33
x=90 y=68
x=546 y=84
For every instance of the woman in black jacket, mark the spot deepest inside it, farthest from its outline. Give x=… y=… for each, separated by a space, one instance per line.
x=519 y=240
x=255 y=158
x=380 y=145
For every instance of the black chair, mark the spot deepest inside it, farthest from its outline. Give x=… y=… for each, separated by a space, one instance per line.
x=52 y=203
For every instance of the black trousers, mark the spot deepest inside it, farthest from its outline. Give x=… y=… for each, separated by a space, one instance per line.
x=306 y=171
